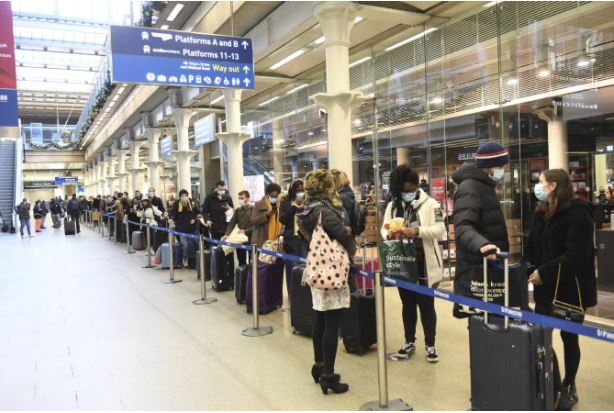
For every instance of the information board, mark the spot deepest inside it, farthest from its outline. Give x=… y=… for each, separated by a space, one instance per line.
x=166 y=147
x=254 y=184
x=169 y=57
x=66 y=180
x=9 y=114
x=36 y=133
x=204 y=130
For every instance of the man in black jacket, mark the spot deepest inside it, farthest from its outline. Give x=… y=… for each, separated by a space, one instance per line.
x=214 y=210
x=73 y=208
x=160 y=236
x=479 y=224
x=185 y=214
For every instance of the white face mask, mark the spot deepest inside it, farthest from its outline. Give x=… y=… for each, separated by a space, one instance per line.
x=497 y=174
x=151 y=194
x=184 y=199
x=300 y=195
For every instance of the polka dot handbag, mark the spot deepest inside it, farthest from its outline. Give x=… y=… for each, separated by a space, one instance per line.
x=328 y=263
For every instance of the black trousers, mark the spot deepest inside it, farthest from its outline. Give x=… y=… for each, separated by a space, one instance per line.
x=411 y=302
x=242 y=257
x=75 y=217
x=326 y=337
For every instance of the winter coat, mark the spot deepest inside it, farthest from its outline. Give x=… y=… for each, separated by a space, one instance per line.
x=44 y=208
x=287 y=214
x=214 y=211
x=73 y=207
x=37 y=211
x=158 y=203
x=182 y=219
x=565 y=242
x=96 y=204
x=241 y=218
x=430 y=230
x=260 y=222
x=56 y=208
x=23 y=210
x=148 y=215
x=478 y=220
x=348 y=199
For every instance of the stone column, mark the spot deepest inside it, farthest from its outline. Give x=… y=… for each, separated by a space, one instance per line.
x=278 y=152
x=121 y=170
x=183 y=154
x=337 y=20
x=136 y=171
x=112 y=178
x=154 y=164
x=402 y=155
x=558 y=156
x=104 y=167
x=234 y=140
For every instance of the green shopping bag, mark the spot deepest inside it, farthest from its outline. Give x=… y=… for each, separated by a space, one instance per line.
x=399 y=260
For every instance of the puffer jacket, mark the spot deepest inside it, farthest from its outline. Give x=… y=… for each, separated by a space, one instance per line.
x=333 y=222
x=478 y=221
x=565 y=243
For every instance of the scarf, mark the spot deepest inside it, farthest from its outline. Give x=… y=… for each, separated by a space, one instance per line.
x=274 y=224
x=180 y=208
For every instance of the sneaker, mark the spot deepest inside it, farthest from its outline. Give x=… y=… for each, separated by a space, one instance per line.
x=431 y=355
x=406 y=351
x=31 y=236
x=568 y=398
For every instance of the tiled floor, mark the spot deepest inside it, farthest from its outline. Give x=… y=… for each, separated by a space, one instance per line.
x=83 y=326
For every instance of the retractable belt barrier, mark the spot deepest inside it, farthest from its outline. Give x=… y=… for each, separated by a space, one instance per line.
x=522 y=315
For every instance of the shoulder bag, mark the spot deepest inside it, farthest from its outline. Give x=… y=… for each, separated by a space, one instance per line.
x=566 y=311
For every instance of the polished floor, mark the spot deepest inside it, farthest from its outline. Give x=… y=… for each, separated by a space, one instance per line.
x=83 y=326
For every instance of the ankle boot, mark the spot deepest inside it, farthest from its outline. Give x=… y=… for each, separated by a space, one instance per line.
x=316 y=372
x=332 y=382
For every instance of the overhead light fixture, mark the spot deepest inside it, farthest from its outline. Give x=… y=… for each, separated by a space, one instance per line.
x=512 y=81
x=544 y=73
x=164 y=27
x=490 y=4
x=357 y=122
x=311 y=145
x=121 y=90
x=411 y=39
x=437 y=100
x=214 y=101
x=288 y=58
x=358 y=19
x=319 y=40
x=359 y=61
x=266 y=102
x=296 y=89
x=175 y=12
x=583 y=62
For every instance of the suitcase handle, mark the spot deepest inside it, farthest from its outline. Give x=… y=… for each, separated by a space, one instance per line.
x=506 y=282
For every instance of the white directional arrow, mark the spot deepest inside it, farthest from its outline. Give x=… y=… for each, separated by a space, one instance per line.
x=245 y=44
x=247 y=82
x=246 y=69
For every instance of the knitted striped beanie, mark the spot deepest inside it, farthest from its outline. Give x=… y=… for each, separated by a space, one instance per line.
x=490 y=155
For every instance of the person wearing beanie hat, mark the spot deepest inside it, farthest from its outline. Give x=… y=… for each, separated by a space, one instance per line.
x=479 y=223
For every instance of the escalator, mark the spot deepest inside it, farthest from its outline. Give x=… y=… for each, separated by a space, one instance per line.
x=8 y=170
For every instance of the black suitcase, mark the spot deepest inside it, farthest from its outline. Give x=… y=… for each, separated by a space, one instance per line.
x=511 y=365
x=241 y=283
x=207 y=265
x=222 y=270
x=358 y=324
x=301 y=305
x=69 y=227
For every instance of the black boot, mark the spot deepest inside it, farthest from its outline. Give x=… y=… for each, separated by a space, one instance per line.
x=568 y=397
x=316 y=372
x=332 y=382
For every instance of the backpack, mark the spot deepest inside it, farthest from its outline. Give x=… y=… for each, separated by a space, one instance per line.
x=360 y=219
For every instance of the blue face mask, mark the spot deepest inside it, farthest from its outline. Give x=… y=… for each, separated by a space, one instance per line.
x=497 y=174
x=540 y=193
x=408 y=196
x=272 y=200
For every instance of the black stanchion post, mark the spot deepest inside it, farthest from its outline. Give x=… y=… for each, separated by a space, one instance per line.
x=382 y=372
x=128 y=239
x=171 y=264
x=256 y=330
x=201 y=268
x=148 y=247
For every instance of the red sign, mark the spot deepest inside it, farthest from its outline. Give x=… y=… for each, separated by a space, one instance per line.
x=8 y=76
x=438 y=190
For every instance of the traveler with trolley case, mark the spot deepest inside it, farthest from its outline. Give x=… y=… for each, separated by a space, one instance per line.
x=560 y=253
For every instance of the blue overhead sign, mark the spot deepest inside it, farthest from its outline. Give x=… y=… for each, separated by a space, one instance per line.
x=9 y=113
x=168 y=57
x=66 y=180
x=166 y=147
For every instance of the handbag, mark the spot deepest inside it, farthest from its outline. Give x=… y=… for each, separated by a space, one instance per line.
x=234 y=238
x=273 y=246
x=399 y=260
x=328 y=263
x=566 y=311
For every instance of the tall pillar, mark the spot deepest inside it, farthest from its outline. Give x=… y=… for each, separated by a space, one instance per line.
x=402 y=155
x=121 y=170
x=112 y=178
x=337 y=20
x=183 y=154
x=234 y=140
x=278 y=152
x=136 y=171
x=154 y=164
x=558 y=157
x=104 y=167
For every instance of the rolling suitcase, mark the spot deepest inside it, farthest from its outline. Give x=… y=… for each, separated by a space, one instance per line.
x=69 y=227
x=164 y=256
x=511 y=361
x=207 y=265
x=270 y=284
x=301 y=305
x=240 y=283
x=137 y=241
x=38 y=222
x=222 y=270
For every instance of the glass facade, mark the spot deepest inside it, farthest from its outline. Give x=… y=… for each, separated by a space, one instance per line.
x=506 y=72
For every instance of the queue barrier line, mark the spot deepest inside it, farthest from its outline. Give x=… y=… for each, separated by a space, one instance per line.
x=598 y=333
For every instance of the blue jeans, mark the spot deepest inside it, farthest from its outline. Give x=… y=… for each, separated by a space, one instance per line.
x=189 y=246
x=24 y=223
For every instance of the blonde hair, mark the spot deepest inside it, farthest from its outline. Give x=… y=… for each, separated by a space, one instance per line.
x=341 y=179
x=320 y=185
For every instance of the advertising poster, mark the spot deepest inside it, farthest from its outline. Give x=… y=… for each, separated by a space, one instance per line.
x=9 y=114
x=254 y=184
x=438 y=190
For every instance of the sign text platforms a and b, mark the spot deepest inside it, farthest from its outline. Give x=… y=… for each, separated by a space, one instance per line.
x=142 y=55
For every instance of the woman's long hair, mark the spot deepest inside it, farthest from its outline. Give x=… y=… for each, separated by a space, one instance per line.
x=561 y=196
x=294 y=188
x=320 y=186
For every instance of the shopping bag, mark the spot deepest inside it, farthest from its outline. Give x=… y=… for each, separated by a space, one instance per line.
x=398 y=258
x=474 y=286
x=234 y=238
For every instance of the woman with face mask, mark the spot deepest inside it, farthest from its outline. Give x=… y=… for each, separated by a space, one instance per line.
x=294 y=242
x=560 y=252
x=479 y=223
x=424 y=224
x=265 y=216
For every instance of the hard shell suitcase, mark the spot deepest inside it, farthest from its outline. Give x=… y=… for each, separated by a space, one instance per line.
x=137 y=241
x=301 y=305
x=511 y=361
x=164 y=256
x=222 y=270
x=241 y=283
x=69 y=227
x=270 y=281
x=358 y=324
x=207 y=254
